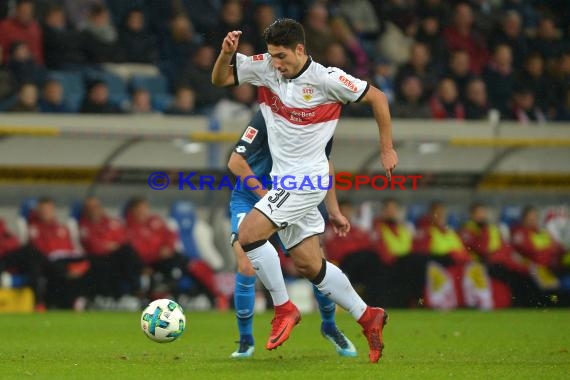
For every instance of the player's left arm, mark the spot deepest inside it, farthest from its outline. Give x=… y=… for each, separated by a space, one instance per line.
x=379 y=103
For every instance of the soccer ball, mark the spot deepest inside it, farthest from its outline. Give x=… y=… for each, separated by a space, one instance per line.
x=163 y=321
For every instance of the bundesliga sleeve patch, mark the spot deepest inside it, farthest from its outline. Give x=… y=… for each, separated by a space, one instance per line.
x=258 y=57
x=249 y=134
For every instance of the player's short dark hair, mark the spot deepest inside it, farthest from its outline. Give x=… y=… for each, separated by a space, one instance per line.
x=285 y=32
x=45 y=199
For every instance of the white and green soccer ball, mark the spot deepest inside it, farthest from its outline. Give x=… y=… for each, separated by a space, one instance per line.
x=163 y=321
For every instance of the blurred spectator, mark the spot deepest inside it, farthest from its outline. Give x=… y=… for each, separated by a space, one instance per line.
x=141 y=101
x=62 y=45
x=179 y=46
x=79 y=11
x=500 y=80
x=439 y=9
x=263 y=16
x=155 y=245
x=8 y=243
x=399 y=27
x=436 y=239
x=476 y=105
x=363 y=21
x=184 y=102
x=359 y=59
x=548 y=41
x=535 y=243
x=318 y=34
x=97 y=99
x=429 y=33
x=100 y=38
x=461 y=35
x=8 y=83
x=115 y=266
x=483 y=239
x=198 y=76
x=511 y=33
x=240 y=105
x=335 y=56
x=445 y=104
x=22 y=65
x=362 y=18
x=17 y=260
x=203 y=13
x=563 y=111
x=27 y=99
x=525 y=110
x=383 y=77
x=355 y=255
x=137 y=43
x=52 y=100
x=411 y=104
x=68 y=269
x=458 y=70
x=535 y=79
x=525 y=10
x=404 y=277
x=230 y=18
x=420 y=67
x=22 y=26
x=561 y=78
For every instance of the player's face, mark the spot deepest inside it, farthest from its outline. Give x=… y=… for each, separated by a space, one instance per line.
x=287 y=61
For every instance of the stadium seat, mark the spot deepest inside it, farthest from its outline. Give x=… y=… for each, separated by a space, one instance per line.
x=161 y=102
x=196 y=236
x=454 y=219
x=114 y=82
x=154 y=84
x=414 y=212
x=510 y=215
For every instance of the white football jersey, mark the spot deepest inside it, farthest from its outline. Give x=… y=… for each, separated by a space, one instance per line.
x=301 y=113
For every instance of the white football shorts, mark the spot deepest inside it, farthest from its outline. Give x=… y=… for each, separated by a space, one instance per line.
x=295 y=212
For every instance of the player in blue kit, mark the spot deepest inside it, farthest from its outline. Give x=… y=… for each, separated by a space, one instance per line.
x=251 y=157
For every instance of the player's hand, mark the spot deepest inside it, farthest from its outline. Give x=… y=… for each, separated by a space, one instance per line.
x=389 y=159
x=340 y=224
x=230 y=43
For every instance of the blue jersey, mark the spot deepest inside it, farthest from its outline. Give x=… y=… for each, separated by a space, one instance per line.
x=254 y=148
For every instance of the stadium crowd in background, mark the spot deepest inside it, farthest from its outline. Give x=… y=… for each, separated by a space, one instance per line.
x=424 y=260
x=433 y=58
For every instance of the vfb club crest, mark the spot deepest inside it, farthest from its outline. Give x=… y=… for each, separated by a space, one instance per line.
x=308 y=93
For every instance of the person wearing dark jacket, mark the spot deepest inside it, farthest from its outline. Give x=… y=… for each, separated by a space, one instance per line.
x=138 y=44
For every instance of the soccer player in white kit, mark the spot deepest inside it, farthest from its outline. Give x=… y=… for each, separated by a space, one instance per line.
x=301 y=102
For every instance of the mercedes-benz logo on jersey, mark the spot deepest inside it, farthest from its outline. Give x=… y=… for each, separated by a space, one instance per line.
x=275 y=104
x=240 y=149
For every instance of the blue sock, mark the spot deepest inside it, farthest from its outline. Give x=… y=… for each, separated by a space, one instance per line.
x=244 y=300
x=327 y=308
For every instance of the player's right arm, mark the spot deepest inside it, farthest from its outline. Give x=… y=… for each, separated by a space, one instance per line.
x=223 y=72
x=238 y=165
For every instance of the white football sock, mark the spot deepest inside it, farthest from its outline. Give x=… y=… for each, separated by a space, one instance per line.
x=265 y=261
x=336 y=286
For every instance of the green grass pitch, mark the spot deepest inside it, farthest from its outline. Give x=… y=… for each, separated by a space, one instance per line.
x=515 y=344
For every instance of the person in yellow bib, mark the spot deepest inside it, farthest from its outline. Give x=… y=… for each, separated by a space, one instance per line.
x=511 y=281
x=404 y=274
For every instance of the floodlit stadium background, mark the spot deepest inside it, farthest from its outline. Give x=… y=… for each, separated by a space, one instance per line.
x=503 y=158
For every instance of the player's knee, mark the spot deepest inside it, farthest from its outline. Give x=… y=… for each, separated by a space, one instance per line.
x=307 y=269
